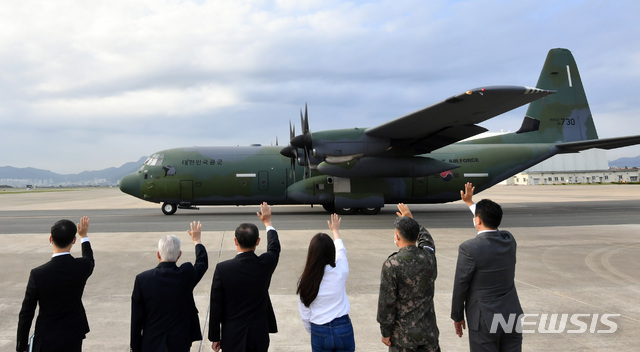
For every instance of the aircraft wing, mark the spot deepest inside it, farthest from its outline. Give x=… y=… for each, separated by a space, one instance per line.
x=606 y=143
x=454 y=119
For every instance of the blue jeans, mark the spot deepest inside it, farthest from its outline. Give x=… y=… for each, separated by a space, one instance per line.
x=334 y=336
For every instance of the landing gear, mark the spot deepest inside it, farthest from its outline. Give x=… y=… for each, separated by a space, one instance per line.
x=346 y=211
x=350 y=211
x=330 y=208
x=370 y=211
x=169 y=209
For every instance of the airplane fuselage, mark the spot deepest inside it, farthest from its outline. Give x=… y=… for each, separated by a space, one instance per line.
x=196 y=176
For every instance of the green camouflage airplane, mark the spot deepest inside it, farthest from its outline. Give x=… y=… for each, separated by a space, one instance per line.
x=423 y=157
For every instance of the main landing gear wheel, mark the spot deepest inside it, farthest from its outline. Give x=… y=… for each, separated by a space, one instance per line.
x=329 y=208
x=346 y=211
x=169 y=209
x=370 y=211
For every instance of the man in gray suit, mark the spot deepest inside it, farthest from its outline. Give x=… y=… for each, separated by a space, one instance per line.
x=484 y=281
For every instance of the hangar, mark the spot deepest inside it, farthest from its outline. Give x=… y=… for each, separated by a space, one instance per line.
x=589 y=166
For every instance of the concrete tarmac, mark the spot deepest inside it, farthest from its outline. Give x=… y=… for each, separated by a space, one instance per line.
x=578 y=250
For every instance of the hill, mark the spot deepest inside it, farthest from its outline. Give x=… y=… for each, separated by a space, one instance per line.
x=21 y=177
x=625 y=162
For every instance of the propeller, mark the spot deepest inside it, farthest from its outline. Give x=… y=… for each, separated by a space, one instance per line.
x=307 y=137
x=308 y=141
x=302 y=141
x=293 y=151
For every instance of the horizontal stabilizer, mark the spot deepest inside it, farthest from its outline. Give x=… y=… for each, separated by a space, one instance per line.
x=606 y=143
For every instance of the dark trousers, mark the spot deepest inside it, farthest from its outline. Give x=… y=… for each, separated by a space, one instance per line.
x=422 y=348
x=72 y=346
x=484 y=341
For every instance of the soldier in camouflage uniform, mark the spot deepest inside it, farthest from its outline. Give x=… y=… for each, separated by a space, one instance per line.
x=405 y=305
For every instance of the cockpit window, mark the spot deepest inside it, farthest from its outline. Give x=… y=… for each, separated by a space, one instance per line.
x=155 y=159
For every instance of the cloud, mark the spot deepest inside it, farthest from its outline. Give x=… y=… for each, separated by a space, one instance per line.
x=145 y=104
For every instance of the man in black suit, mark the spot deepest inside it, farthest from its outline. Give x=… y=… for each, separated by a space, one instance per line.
x=163 y=312
x=484 y=281
x=241 y=312
x=57 y=287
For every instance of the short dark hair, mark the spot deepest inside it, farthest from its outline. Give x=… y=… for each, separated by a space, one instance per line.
x=408 y=228
x=489 y=212
x=63 y=232
x=247 y=235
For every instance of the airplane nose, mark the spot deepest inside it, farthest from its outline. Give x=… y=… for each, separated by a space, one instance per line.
x=130 y=184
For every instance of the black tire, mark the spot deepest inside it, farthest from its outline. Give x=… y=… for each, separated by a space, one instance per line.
x=329 y=207
x=370 y=211
x=169 y=209
x=346 y=211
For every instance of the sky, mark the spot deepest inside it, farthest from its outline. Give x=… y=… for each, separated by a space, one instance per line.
x=87 y=85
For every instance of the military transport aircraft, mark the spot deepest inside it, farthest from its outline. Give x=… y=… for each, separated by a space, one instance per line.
x=423 y=157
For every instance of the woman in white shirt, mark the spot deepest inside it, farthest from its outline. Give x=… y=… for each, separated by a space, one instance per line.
x=324 y=306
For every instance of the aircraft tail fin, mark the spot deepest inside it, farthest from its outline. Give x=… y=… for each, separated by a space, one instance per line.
x=564 y=116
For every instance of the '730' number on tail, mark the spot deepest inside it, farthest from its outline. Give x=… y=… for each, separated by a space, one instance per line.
x=567 y=122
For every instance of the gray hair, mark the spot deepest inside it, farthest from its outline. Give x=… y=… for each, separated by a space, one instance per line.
x=169 y=248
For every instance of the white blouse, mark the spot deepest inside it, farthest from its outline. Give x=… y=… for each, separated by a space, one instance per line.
x=332 y=301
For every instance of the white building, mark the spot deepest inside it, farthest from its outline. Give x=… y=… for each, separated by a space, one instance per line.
x=589 y=166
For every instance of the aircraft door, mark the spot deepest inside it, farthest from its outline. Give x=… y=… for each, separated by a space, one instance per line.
x=263 y=180
x=186 y=190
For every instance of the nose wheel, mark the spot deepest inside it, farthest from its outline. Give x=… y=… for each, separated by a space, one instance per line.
x=169 y=209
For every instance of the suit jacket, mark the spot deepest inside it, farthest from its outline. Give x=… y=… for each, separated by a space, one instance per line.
x=57 y=287
x=240 y=300
x=164 y=316
x=484 y=279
